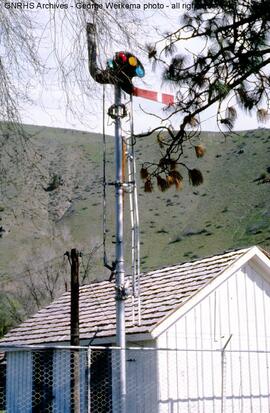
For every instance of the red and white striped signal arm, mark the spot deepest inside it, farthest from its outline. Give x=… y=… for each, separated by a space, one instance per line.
x=164 y=98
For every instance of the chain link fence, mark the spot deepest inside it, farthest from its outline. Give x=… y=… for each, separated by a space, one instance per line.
x=87 y=380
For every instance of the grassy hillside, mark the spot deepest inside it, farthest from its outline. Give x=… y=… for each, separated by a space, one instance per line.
x=56 y=203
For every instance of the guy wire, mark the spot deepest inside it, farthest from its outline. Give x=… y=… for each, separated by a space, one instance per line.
x=135 y=217
x=104 y=222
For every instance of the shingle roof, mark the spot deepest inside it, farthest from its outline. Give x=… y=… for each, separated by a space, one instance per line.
x=161 y=292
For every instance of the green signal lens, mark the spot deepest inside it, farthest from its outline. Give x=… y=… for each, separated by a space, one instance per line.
x=110 y=63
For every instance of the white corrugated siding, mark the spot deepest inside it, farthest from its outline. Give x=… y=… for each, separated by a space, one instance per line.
x=84 y=380
x=142 y=384
x=142 y=380
x=19 y=382
x=191 y=381
x=61 y=381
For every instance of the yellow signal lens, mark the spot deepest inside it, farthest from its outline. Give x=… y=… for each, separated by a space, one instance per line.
x=132 y=61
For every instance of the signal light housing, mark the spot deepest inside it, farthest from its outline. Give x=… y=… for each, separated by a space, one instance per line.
x=124 y=67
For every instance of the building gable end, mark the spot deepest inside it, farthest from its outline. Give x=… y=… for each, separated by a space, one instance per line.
x=254 y=256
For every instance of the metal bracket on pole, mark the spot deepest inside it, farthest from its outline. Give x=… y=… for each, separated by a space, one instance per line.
x=117 y=111
x=122 y=292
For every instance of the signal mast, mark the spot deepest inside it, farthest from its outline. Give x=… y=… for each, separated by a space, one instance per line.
x=119 y=72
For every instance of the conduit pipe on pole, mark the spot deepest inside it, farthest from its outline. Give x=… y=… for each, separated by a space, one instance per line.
x=119 y=257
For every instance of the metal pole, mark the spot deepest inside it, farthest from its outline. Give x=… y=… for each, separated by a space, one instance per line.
x=119 y=255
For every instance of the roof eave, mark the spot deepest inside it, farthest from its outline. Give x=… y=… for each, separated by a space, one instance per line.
x=255 y=255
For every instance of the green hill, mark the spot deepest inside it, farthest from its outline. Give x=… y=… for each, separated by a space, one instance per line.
x=52 y=201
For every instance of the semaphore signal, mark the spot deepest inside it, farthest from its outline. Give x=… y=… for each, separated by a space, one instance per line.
x=120 y=71
x=124 y=66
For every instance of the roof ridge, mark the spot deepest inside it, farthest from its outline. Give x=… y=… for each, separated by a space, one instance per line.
x=200 y=260
x=177 y=265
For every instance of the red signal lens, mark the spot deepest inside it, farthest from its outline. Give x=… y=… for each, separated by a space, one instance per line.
x=121 y=56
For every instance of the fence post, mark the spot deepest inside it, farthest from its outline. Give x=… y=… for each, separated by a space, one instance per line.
x=223 y=373
x=89 y=380
x=74 y=333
